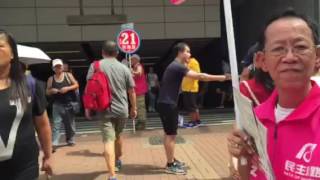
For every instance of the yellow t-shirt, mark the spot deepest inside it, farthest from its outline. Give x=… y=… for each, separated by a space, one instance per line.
x=188 y=84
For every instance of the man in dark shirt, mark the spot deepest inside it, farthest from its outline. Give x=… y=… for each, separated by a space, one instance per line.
x=168 y=98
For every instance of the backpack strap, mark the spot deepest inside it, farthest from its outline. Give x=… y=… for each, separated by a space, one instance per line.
x=96 y=66
x=31 y=83
x=256 y=101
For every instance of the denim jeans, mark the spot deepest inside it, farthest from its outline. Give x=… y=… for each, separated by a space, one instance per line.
x=63 y=113
x=151 y=101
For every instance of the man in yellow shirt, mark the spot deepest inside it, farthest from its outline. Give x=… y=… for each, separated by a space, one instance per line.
x=190 y=89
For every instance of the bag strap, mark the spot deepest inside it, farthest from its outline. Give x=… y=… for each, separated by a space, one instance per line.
x=52 y=79
x=251 y=93
x=67 y=77
x=76 y=91
x=31 y=82
x=96 y=66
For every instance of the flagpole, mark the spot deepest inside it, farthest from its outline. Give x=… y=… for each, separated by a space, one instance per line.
x=233 y=61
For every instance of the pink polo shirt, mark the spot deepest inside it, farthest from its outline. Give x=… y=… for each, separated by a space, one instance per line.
x=141 y=82
x=294 y=143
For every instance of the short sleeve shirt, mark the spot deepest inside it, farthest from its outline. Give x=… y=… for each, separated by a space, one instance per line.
x=20 y=151
x=188 y=84
x=171 y=83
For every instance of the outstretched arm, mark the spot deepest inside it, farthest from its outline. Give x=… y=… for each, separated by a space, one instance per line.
x=206 y=77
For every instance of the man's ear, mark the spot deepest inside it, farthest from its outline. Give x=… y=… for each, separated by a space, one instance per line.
x=260 y=59
x=318 y=53
x=317 y=61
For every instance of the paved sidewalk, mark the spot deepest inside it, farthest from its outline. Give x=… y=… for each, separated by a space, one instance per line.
x=203 y=149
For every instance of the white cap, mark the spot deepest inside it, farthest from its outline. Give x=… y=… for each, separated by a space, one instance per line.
x=57 y=62
x=136 y=56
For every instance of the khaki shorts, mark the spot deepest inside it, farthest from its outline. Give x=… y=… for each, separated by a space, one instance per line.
x=111 y=127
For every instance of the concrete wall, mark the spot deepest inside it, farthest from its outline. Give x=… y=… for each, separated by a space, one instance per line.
x=45 y=20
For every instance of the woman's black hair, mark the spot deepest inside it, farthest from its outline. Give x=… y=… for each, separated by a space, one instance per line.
x=257 y=73
x=18 y=85
x=263 y=78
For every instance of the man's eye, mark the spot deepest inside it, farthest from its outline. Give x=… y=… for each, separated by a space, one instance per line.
x=278 y=49
x=300 y=47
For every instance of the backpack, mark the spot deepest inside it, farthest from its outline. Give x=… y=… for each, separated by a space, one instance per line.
x=97 y=94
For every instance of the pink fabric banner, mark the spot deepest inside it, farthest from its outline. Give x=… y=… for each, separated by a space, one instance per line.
x=177 y=2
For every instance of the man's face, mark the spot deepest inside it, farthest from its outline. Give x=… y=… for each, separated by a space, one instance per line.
x=290 y=54
x=134 y=61
x=185 y=55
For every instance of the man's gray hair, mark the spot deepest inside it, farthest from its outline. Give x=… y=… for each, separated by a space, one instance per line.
x=110 y=48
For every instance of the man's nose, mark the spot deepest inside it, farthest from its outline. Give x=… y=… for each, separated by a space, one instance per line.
x=290 y=56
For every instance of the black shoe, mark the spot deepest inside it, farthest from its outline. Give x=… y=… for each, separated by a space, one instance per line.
x=54 y=149
x=71 y=144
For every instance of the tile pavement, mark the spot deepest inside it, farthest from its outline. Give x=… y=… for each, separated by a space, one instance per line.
x=204 y=151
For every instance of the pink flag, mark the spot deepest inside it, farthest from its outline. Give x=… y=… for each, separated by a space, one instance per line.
x=177 y=2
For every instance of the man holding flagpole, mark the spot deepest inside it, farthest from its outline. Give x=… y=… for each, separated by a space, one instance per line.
x=290 y=52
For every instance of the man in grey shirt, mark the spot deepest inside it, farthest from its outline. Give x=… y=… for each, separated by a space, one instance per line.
x=113 y=121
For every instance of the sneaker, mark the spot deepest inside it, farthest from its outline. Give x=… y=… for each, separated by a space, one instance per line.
x=190 y=124
x=180 y=163
x=196 y=123
x=118 y=165
x=175 y=169
x=112 y=178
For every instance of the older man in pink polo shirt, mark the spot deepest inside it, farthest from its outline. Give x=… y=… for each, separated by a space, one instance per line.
x=292 y=113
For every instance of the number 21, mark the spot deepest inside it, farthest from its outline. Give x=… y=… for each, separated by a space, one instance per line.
x=126 y=39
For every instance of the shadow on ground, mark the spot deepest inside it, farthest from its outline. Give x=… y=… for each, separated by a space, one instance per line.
x=84 y=152
x=74 y=176
x=139 y=169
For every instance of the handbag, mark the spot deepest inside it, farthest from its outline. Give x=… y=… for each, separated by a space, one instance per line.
x=75 y=102
x=75 y=107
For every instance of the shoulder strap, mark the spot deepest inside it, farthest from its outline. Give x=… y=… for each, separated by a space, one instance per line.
x=52 y=79
x=251 y=93
x=67 y=77
x=31 y=82
x=96 y=66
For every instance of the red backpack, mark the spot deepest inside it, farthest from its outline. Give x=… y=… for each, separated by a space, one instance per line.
x=97 y=94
